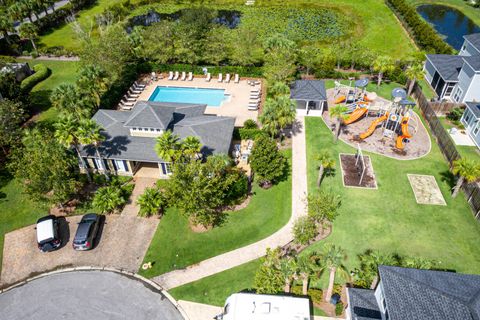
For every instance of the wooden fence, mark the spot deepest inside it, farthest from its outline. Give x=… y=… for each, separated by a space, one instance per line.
x=446 y=144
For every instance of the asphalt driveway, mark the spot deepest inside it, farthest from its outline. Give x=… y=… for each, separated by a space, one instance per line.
x=122 y=244
x=88 y=295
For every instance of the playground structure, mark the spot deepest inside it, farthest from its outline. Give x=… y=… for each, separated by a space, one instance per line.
x=395 y=119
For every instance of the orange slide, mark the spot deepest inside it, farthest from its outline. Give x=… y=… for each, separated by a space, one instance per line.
x=405 y=134
x=355 y=115
x=373 y=126
x=340 y=99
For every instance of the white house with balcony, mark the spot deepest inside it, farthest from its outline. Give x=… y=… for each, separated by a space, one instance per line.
x=456 y=78
x=130 y=136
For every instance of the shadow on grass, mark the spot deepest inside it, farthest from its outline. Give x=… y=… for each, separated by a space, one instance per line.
x=449 y=178
x=40 y=101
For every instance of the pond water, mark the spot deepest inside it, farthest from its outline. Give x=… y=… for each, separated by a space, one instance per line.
x=227 y=18
x=449 y=22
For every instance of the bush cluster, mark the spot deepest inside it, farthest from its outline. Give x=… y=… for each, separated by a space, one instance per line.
x=252 y=134
x=423 y=34
x=41 y=73
x=314 y=294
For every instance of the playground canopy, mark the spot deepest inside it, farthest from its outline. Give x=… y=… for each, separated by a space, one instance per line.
x=312 y=92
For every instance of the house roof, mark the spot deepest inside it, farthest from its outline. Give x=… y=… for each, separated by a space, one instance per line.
x=474 y=39
x=474 y=107
x=363 y=304
x=150 y=115
x=426 y=295
x=214 y=133
x=313 y=90
x=448 y=66
x=473 y=61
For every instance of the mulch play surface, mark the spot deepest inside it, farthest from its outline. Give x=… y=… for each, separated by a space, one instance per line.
x=352 y=173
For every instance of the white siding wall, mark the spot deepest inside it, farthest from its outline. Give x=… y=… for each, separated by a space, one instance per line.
x=471 y=123
x=468 y=50
x=473 y=93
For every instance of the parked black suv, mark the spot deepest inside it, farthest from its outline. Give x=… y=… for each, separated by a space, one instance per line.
x=47 y=234
x=86 y=232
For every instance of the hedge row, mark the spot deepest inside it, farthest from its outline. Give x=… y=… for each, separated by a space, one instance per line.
x=423 y=34
x=256 y=72
x=41 y=73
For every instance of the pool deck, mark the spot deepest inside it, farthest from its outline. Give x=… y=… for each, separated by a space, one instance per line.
x=236 y=106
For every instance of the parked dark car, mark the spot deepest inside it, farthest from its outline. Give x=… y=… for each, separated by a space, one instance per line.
x=48 y=238
x=86 y=232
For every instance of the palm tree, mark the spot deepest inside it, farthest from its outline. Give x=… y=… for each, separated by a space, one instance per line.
x=467 y=171
x=108 y=199
x=370 y=261
x=383 y=64
x=279 y=88
x=93 y=81
x=190 y=147
x=16 y=11
x=168 y=147
x=67 y=129
x=333 y=258
x=326 y=162
x=338 y=112
x=413 y=72
x=306 y=266
x=151 y=202
x=89 y=134
x=278 y=113
x=288 y=268
x=29 y=31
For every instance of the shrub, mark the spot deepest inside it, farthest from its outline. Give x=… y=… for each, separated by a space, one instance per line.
x=109 y=199
x=252 y=134
x=304 y=230
x=41 y=73
x=268 y=164
x=339 y=308
x=151 y=202
x=250 y=124
x=455 y=114
x=316 y=295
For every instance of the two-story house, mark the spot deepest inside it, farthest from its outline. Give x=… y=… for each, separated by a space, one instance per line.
x=413 y=294
x=130 y=136
x=456 y=77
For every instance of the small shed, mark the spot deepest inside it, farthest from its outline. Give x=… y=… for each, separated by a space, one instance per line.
x=309 y=94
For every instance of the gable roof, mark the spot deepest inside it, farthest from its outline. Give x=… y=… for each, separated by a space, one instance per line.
x=474 y=107
x=448 y=66
x=214 y=132
x=474 y=39
x=424 y=294
x=473 y=61
x=309 y=90
x=363 y=304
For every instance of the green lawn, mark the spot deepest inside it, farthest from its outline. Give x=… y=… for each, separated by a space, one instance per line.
x=469 y=11
x=427 y=89
x=62 y=72
x=175 y=246
x=389 y=219
x=374 y=24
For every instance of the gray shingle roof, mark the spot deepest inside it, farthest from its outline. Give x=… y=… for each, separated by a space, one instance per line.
x=363 y=304
x=429 y=295
x=150 y=115
x=474 y=39
x=313 y=90
x=215 y=133
x=474 y=107
x=448 y=66
x=473 y=61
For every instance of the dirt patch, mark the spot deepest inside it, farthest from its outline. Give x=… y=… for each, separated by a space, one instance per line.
x=426 y=190
x=352 y=172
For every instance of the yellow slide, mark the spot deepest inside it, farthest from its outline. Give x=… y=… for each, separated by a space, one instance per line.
x=373 y=126
x=405 y=134
x=355 y=115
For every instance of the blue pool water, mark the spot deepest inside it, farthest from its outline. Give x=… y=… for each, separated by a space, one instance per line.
x=210 y=97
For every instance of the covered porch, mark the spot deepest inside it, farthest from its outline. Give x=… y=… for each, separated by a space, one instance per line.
x=310 y=96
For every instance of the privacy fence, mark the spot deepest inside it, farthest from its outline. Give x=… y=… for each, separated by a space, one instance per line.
x=445 y=142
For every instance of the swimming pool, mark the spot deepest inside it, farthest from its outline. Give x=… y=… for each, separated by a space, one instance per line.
x=210 y=97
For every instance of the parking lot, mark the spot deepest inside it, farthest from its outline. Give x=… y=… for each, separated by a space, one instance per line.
x=121 y=244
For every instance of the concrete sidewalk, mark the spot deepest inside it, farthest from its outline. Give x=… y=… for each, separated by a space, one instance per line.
x=255 y=250
x=141 y=183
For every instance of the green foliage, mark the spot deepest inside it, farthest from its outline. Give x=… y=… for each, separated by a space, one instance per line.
x=12 y=116
x=151 y=202
x=171 y=149
x=279 y=89
x=10 y=88
x=45 y=167
x=41 y=73
x=339 y=308
x=243 y=71
x=109 y=199
x=423 y=34
x=304 y=230
x=323 y=206
x=268 y=164
x=455 y=114
x=468 y=169
x=278 y=113
x=250 y=124
x=316 y=295
x=280 y=58
x=252 y=134
x=268 y=278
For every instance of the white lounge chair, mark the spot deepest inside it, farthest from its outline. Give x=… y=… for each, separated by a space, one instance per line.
x=255 y=90
x=127 y=103
x=184 y=76
x=177 y=74
x=129 y=99
x=126 y=108
x=209 y=77
x=236 y=78
x=254 y=96
x=133 y=95
x=170 y=75
x=252 y=108
x=190 y=76
x=220 y=77
x=227 y=78
x=139 y=85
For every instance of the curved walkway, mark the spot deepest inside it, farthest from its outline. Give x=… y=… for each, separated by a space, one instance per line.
x=88 y=294
x=255 y=250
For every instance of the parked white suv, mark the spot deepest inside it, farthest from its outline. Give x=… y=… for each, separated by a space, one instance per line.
x=47 y=234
